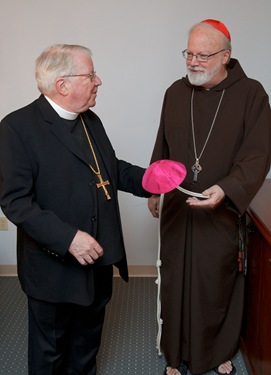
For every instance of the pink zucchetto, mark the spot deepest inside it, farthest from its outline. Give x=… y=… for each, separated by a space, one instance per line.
x=163 y=176
x=219 y=26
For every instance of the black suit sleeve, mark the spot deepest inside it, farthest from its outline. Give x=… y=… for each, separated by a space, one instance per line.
x=130 y=179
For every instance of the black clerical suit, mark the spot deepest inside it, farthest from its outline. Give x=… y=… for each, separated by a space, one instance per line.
x=48 y=191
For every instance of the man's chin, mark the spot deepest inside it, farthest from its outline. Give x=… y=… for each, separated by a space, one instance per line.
x=92 y=103
x=196 y=80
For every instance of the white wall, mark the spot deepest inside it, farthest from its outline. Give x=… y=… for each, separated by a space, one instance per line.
x=137 y=53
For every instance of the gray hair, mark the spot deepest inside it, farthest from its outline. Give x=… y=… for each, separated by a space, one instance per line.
x=56 y=61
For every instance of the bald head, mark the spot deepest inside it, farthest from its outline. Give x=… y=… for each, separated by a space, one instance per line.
x=210 y=36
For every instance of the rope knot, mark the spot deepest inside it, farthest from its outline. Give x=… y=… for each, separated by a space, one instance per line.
x=158 y=263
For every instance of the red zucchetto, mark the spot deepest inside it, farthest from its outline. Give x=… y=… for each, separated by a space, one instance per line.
x=219 y=26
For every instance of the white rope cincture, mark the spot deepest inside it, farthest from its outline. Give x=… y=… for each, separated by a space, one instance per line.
x=158 y=282
x=159 y=264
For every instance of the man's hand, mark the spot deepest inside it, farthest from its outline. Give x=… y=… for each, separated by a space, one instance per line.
x=153 y=204
x=216 y=196
x=85 y=248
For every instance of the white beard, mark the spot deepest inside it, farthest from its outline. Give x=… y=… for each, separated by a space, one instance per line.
x=199 y=79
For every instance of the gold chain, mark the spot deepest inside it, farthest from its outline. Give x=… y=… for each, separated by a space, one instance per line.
x=91 y=147
x=102 y=184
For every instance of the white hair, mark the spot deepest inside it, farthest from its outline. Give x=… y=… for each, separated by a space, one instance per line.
x=56 y=61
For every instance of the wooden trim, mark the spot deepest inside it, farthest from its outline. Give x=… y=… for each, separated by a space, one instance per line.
x=134 y=270
x=259 y=210
x=246 y=358
x=8 y=270
x=139 y=271
x=260 y=225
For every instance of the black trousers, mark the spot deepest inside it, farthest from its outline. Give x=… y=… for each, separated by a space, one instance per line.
x=64 y=338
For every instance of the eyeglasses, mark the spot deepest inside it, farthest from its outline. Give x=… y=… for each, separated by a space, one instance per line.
x=200 y=57
x=91 y=76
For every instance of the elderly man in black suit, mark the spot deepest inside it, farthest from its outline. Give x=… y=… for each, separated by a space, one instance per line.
x=59 y=177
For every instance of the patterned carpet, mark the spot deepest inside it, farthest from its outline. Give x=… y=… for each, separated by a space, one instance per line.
x=128 y=343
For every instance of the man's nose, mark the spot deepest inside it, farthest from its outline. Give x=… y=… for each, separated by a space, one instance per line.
x=97 y=80
x=194 y=60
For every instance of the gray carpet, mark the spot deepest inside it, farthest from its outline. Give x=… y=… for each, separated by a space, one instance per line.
x=128 y=343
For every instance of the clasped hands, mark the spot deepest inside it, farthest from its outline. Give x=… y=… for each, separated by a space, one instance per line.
x=85 y=248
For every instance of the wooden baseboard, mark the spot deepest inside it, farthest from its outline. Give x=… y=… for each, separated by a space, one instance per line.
x=8 y=270
x=134 y=270
x=139 y=271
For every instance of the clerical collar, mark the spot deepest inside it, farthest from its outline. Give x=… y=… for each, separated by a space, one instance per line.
x=63 y=113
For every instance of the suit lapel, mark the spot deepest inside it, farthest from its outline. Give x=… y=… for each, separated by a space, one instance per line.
x=57 y=127
x=98 y=135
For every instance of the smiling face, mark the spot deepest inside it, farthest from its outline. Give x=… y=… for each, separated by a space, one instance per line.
x=80 y=89
x=206 y=41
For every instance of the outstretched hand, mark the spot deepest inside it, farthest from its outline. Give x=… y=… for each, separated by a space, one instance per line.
x=216 y=196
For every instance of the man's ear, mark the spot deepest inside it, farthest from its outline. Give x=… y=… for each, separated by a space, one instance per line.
x=227 y=55
x=61 y=86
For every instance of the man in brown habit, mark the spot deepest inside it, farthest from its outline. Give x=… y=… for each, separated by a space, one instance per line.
x=216 y=121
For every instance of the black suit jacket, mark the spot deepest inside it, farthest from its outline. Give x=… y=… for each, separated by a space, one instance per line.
x=46 y=190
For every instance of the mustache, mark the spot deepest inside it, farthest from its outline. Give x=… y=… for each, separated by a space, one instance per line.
x=196 y=69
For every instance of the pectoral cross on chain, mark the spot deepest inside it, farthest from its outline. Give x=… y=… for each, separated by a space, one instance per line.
x=196 y=168
x=102 y=184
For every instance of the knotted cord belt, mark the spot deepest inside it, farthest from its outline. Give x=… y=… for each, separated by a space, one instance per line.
x=158 y=281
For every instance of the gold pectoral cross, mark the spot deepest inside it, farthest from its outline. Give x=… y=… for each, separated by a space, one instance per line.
x=102 y=184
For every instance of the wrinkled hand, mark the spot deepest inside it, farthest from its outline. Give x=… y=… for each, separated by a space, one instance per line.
x=85 y=248
x=216 y=196
x=153 y=205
